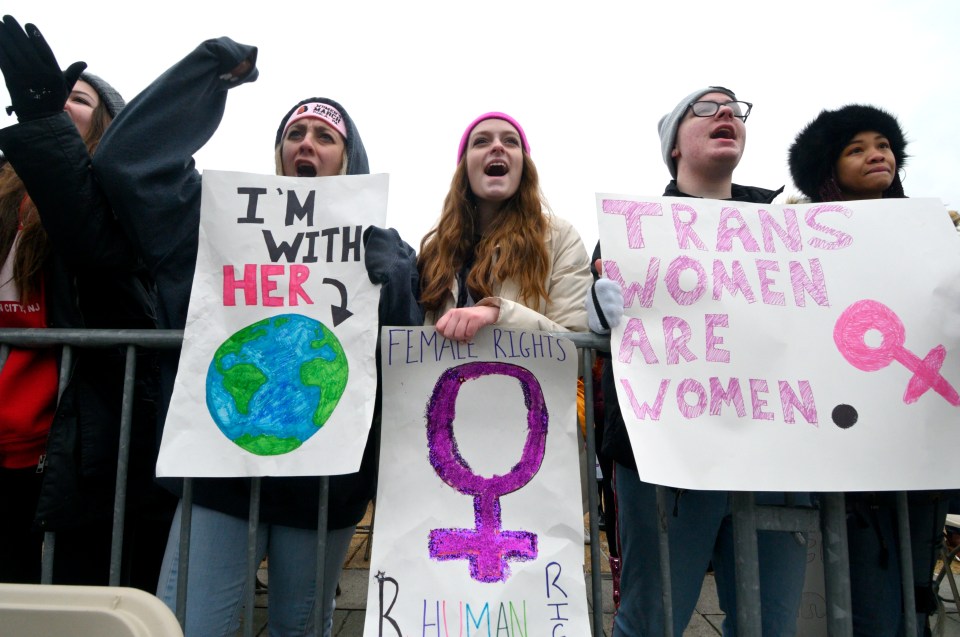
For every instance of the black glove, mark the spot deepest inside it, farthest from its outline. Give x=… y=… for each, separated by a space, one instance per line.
x=381 y=247
x=37 y=86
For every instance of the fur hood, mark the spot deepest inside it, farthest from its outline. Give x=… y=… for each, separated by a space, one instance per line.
x=815 y=151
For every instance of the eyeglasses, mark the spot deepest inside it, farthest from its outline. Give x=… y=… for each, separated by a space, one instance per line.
x=709 y=109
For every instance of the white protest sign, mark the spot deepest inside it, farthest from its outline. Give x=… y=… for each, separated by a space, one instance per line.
x=811 y=347
x=277 y=375
x=479 y=525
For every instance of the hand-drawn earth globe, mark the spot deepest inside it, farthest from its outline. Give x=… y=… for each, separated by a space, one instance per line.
x=275 y=383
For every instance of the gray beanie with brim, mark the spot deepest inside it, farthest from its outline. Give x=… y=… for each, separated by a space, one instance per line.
x=109 y=96
x=670 y=123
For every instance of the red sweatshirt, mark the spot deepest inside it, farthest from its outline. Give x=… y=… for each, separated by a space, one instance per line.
x=28 y=380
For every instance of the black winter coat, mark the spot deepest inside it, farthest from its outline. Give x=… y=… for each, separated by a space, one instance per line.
x=145 y=162
x=92 y=279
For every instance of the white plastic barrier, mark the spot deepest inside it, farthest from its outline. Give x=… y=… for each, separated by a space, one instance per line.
x=29 y=610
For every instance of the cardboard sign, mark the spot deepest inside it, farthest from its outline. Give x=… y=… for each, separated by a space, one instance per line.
x=811 y=347
x=479 y=521
x=277 y=375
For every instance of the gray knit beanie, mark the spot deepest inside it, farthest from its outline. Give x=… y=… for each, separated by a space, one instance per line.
x=670 y=122
x=108 y=95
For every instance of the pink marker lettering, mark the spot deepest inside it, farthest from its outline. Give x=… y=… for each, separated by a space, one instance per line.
x=714 y=353
x=841 y=239
x=634 y=292
x=769 y=296
x=789 y=236
x=643 y=410
x=759 y=386
x=684 y=227
x=805 y=402
x=676 y=335
x=672 y=279
x=726 y=232
x=633 y=212
x=690 y=386
x=732 y=282
x=720 y=396
x=814 y=284
x=634 y=336
x=248 y=283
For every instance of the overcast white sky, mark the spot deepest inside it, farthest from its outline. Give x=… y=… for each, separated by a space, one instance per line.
x=588 y=81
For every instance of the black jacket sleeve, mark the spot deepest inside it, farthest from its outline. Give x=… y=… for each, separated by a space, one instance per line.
x=392 y=263
x=145 y=163
x=51 y=159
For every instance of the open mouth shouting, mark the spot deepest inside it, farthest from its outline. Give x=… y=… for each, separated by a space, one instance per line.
x=306 y=169
x=496 y=169
x=723 y=132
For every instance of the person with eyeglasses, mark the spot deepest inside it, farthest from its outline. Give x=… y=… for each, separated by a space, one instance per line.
x=702 y=141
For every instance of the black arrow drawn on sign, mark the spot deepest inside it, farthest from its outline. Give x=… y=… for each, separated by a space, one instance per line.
x=341 y=313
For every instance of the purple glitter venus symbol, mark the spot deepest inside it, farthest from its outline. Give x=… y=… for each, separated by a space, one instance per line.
x=487 y=547
x=864 y=316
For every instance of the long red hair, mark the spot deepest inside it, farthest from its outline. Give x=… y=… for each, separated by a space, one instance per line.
x=514 y=246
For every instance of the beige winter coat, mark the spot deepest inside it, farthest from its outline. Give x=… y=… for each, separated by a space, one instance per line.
x=568 y=279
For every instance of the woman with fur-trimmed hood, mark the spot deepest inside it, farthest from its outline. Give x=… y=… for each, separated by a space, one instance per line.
x=848 y=154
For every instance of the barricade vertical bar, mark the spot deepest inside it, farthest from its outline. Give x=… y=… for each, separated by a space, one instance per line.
x=906 y=565
x=46 y=564
x=123 y=464
x=250 y=590
x=592 y=503
x=836 y=565
x=665 y=579
x=66 y=363
x=322 y=516
x=747 y=559
x=183 y=563
x=368 y=550
x=49 y=539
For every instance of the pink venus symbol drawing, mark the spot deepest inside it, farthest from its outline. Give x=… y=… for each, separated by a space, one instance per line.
x=865 y=316
x=487 y=547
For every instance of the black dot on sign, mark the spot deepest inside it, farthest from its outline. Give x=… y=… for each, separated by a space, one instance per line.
x=844 y=416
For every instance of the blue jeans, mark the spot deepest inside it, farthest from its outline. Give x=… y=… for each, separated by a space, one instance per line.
x=700 y=532
x=216 y=581
x=875 y=589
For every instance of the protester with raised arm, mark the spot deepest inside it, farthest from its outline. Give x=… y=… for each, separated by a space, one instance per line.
x=147 y=167
x=67 y=264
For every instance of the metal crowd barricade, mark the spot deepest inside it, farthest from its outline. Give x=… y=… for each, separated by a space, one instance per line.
x=588 y=344
x=81 y=338
x=748 y=517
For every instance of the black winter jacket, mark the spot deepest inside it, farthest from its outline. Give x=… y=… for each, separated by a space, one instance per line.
x=92 y=279
x=156 y=195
